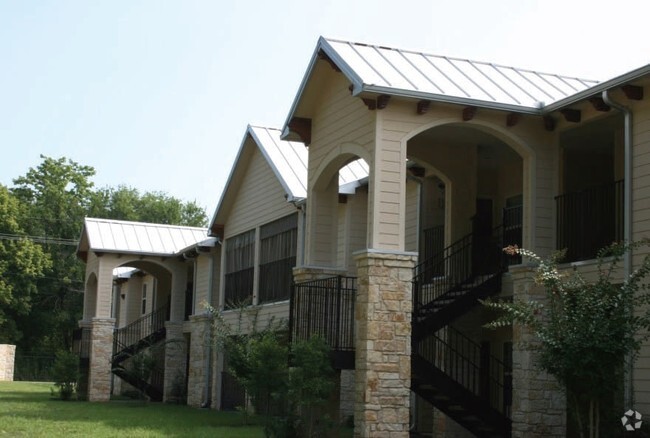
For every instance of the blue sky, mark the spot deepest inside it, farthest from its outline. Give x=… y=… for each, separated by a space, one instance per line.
x=157 y=94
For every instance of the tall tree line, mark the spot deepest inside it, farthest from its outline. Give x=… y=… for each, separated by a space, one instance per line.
x=41 y=216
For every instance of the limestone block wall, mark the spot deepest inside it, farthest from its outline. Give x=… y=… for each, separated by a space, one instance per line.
x=7 y=357
x=383 y=344
x=199 y=352
x=101 y=351
x=538 y=403
x=175 y=359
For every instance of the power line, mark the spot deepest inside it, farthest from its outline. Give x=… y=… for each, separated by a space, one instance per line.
x=40 y=239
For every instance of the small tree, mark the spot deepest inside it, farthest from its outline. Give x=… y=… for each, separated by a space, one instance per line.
x=291 y=396
x=585 y=330
x=65 y=372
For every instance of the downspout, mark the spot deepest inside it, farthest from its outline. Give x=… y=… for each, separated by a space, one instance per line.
x=300 y=204
x=208 y=357
x=627 y=221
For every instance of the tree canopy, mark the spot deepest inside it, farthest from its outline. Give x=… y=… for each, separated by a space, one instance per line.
x=41 y=216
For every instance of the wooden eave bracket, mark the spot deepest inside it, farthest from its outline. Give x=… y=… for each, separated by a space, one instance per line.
x=599 y=104
x=302 y=127
x=512 y=119
x=468 y=113
x=633 y=92
x=380 y=102
x=417 y=171
x=322 y=55
x=423 y=106
x=571 y=115
x=370 y=103
x=217 y=230
x=549 y=123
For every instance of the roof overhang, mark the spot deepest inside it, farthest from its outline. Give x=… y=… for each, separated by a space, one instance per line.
x=358 y=88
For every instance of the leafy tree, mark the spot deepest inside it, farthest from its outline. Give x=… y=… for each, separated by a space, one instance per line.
x=50 y=201
x=22 y=263
x=56 y=195
x=126 y=203
x=585 y=329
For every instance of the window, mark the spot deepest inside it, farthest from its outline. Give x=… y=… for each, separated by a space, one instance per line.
x=278 y=241
x=144 y=299
x=240 y=262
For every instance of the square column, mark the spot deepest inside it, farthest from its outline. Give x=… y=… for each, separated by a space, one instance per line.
x=538 y=402
x=101 y=353
x=382 y=318
x=175 y=360
x=7 y=358
x=199 y=369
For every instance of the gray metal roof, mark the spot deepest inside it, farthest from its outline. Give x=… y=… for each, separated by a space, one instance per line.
x=107 y=235
x=419 y=75
x=442 y=76
x=288 y=159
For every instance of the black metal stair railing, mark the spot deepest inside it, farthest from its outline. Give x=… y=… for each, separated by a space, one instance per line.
x=469 y=364
x=129 y=339
x=325 y=308
x=461 y=266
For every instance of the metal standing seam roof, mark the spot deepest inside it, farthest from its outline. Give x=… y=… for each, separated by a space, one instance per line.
x=423 y=74
x=288 y=159
x=419 y=75
x=106 y=235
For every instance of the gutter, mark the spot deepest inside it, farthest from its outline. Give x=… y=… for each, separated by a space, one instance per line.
x=627 y=222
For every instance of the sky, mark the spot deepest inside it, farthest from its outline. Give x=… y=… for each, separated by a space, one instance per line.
x=157 y=95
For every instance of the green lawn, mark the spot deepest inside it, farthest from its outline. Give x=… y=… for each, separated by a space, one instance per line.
x=28 y=410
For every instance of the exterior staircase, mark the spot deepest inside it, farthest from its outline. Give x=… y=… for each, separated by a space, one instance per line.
x=455 y=374
x=131 y=339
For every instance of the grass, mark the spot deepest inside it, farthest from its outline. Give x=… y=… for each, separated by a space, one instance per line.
x=27 y=409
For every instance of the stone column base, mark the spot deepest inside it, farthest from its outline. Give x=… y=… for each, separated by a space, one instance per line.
x=383 y=344
x=175 y=361
x=101 y=352
x=199 y=366
x=7 y=359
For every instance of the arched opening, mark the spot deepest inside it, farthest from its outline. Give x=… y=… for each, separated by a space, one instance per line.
x=474 y=189
x=338 y=213
x=142 y=287
x=474 y=182
x=90 y=300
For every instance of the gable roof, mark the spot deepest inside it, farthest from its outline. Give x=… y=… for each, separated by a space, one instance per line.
x=108 y=235
x=287 y=160
x=418 y=75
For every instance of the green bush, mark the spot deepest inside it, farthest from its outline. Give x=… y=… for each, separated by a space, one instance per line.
x=65 y=372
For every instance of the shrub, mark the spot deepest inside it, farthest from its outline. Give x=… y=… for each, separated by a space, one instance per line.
x=65 y=372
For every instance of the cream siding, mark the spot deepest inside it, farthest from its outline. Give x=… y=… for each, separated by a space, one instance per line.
x=260 y=198
x=411 y=223
x=340 y=124
x=202 y=281
x=641 y=229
